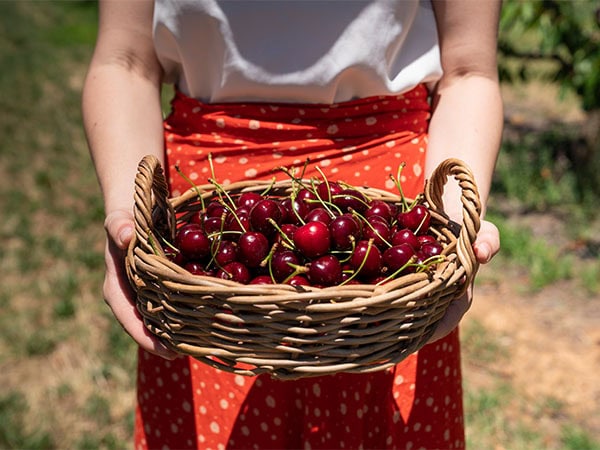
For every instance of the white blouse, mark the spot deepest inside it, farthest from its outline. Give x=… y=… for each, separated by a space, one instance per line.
x=310 y=51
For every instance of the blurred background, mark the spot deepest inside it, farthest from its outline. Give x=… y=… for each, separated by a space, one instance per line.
x=531 y=341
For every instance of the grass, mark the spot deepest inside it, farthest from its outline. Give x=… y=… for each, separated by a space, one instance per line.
x=67 y=369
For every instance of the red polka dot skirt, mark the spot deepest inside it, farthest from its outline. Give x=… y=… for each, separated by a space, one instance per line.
x=186 y=404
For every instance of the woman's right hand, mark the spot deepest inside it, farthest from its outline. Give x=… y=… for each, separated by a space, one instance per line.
x=117 y=291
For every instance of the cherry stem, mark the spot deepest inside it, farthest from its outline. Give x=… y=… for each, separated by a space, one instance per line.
x=409 y=263
x=364 y=219
x=194 y=186
x=362 y=263
x=298 y=269
x=398 y=184
x=285 y=237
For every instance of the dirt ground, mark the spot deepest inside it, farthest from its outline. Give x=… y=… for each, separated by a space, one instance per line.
x=551 y=337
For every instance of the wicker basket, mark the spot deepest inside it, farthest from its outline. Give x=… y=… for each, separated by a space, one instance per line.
x=287 y=331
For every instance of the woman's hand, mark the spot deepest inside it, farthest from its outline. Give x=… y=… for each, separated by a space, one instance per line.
x=116 y=289
x=486 y=246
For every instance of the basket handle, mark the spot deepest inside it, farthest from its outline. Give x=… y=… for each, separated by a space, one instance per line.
x=471 y=208
x=151 y=205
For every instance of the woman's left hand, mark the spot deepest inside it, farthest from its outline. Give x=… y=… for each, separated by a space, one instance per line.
x=486 y=246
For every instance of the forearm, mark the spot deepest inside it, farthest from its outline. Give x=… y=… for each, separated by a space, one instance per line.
x=123 y=122
x=466 y=124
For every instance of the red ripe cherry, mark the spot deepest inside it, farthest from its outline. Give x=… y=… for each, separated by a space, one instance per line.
x=318 y=214
x=261 y=215
x=344 y=229
x=213 y=224
x=197 y=268
x=282 y=264
x=425 y=239
x=397 y=256
x=417 y=219
x=261 y=279
x=298 y=280
x=327 y=190
x=430 y=249
x=237 y=222
x=381 y=209
x=406 y=236
x=215 y=209
x=377 y=230
x=192 y=242
x=351 y=200
x=234 y=271
x=308 y=198
x=292 y=211
x=366 y=259
x=248 y=199
x=253 y=247
x=325 y=271
x=312 y=239
x=287 y=229
x=225 y=252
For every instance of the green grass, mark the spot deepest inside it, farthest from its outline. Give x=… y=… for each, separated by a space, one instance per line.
x=52 y=313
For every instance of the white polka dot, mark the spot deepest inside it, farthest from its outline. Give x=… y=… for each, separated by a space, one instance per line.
x=220 y=122
x=270 y=401
x=220 y=159
x=202 y=409
x=332 y=129
x=224 y=403
x=398 y=380
x=174 y=428
x=264 y=426
x=325 y=163
x=239 y=380
x=245 y=431
x=390 y=144
x=347 y=158
x=316 y=388
x=277 y=155
x=250 y=173
x=343 y=408
x=187 y=407
x=159 y=382
x=214 y=427
x=389 y=184
x=175 y=376
x=429 y=401
x=254 y=125
x=370 y=121
x=243 y=160
x=417 y=169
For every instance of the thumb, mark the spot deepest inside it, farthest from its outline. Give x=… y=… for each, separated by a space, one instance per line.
x=487 y=243
x=120 y=227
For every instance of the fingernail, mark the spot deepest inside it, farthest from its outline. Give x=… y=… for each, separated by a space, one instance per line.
x=484 y=253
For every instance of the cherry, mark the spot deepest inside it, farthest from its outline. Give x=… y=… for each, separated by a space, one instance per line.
x=298 y=280
x=397 y=256
x=325 y=271
x=318 y=214
x=307 y=197
x=293 y=211
x=430 y=249
x=261 y=279
x=416 y=219
x=425 y=239
x=215 y=209
x=225 y=252
x=377 y=230
x=350 y=200
x=262 y=213
x=234 y=271
x=213 y=224
x=192 y=242
x=253 y=247
x=197 y=268
x=248 y=199
x=382 y=209
x=312 y=239
x=366 y=259
x=406 y=236
x=238 y=221
x=282 y=264
x=326 y=190
x=344 y=229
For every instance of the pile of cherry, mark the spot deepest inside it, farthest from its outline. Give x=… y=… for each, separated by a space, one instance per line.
x=320 y=234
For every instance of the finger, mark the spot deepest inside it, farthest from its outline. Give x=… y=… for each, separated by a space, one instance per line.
x=120 y=227
x=119 y=296
x=487 y=244
x=455 y=312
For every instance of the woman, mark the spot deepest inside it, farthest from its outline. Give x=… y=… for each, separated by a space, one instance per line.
x=357 y=86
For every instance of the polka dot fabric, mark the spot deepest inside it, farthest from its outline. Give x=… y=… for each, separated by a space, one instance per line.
x=185 y=404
